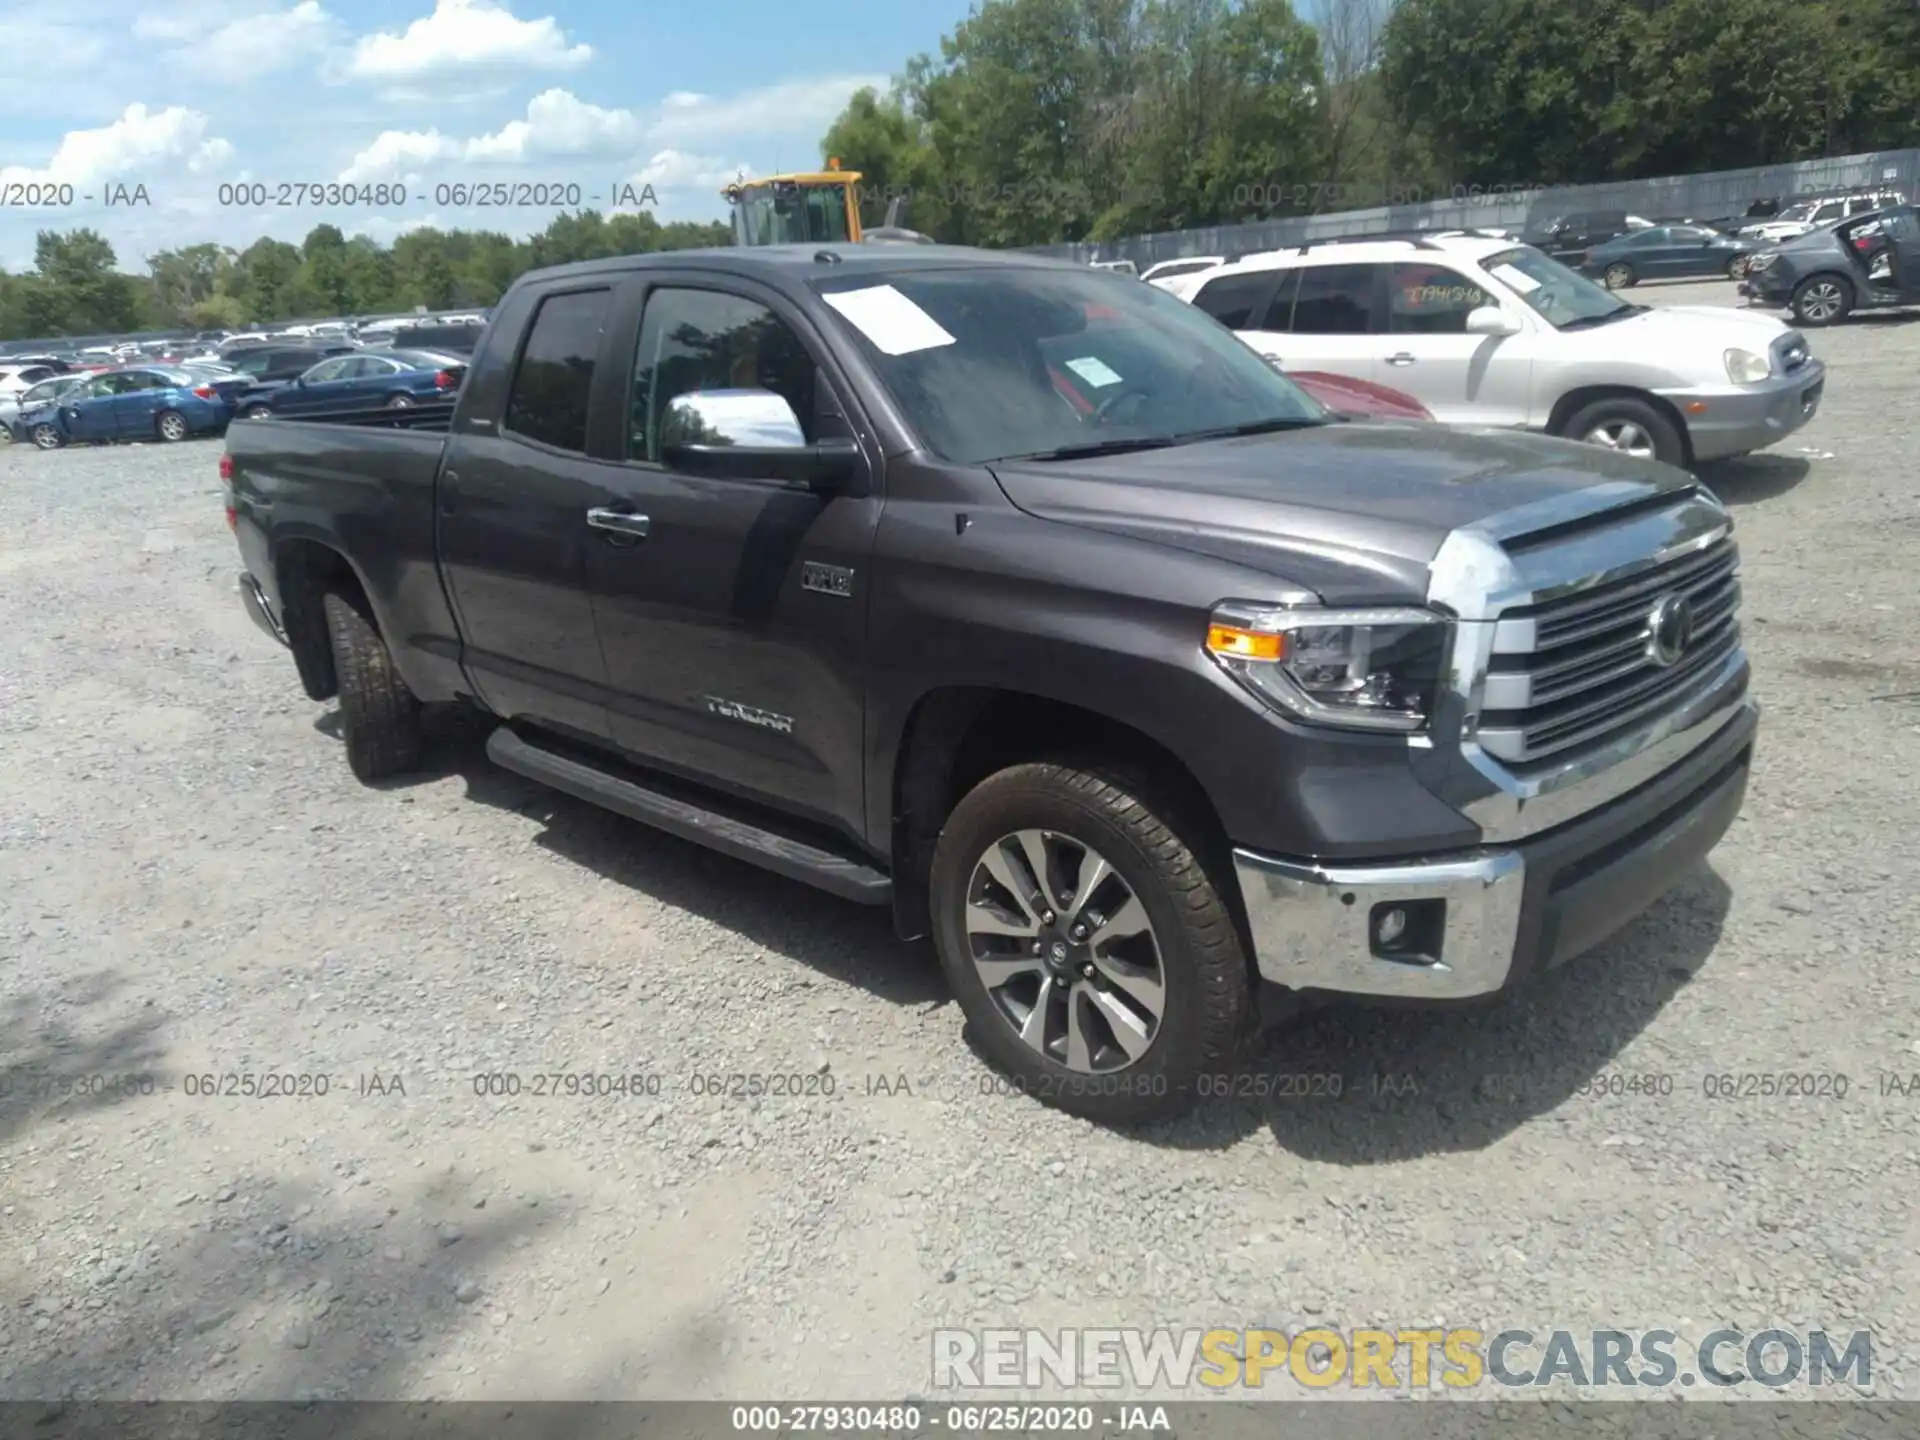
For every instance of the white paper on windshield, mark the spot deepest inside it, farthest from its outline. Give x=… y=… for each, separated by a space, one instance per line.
x=1094 y=371
x=889 y=319
x=1518 y=279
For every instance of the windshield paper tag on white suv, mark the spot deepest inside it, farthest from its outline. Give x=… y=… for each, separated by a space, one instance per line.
x=889 y=319
x=1095 y=371
x=1518 y=279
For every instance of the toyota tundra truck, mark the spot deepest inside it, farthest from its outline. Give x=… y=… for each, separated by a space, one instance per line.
x=1031 y=603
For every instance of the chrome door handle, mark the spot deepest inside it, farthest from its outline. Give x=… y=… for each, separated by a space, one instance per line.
x=619 y=522
x=1403 y=358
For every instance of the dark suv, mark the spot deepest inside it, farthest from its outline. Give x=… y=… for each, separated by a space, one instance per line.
x=1868 y=262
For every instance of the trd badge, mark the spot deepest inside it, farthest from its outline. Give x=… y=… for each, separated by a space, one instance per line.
x=826 y=579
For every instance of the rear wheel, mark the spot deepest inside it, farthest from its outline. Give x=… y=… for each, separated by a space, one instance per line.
x=171 y=425
x=379 y=715
x=1737 y=267
x=400 y=402
x=1619 y=277
x=1629 y=425
x=1088 y=945
x=1822 y=300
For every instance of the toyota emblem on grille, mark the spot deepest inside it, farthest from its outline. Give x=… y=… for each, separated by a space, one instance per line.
x=1669 y=629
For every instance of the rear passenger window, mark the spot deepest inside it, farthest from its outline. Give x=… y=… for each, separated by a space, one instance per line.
x=1335 y=300
x=1235 y=300
x=548 y=401
x=1433 y=300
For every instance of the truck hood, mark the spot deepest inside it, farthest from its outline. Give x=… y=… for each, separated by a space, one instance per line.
x=1353 y=512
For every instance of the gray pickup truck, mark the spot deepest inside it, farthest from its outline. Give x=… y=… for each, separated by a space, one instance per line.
x=1030 y=602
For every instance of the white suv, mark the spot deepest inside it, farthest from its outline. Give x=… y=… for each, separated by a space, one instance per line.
x=1809 y=215
x=1487 y=332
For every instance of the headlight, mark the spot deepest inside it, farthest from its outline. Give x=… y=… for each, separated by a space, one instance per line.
x=1746 y=368
x=1759 y=262
x=1363 y=669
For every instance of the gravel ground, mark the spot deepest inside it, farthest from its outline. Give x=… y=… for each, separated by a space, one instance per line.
x=192 y=884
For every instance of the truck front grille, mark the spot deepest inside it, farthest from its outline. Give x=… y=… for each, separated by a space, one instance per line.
x=1574 y=672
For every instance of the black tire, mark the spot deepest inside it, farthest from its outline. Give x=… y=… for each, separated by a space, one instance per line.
x=1737 y=268
x=1620 y=276
x=171 y=426
x=45 y=437
x=1207 y=1009
x=256 y=412
x=400 y=402
x=1621 y=412
x=379 y=715
x=1822 y=300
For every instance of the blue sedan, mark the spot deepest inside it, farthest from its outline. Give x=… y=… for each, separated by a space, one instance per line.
x=396 y=379
x=142 y=402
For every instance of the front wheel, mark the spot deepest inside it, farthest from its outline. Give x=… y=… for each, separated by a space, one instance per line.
x=1088 y=944
x=45 y=436
x=1822 y=300
x=1631 y=426
x=256 y=412
x=379 y=715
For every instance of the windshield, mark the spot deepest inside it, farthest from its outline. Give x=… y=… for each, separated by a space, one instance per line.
x=997 y=362
x=790 y=214
x=1556 y=294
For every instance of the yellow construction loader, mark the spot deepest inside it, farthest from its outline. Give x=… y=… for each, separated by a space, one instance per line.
x=819 y=207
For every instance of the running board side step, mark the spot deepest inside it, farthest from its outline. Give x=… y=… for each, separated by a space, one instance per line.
x=782 y=854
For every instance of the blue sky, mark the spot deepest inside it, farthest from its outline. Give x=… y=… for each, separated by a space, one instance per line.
x=185 y=98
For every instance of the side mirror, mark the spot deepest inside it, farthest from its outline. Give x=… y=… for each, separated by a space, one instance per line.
x=749 y=435
x=1491 y=320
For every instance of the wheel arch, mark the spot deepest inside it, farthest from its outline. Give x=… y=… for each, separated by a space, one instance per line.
x=1576 y=400
x=306 y=568
x=955 y=737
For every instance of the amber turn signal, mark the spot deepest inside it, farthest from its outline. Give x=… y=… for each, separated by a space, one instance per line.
x=1245 y=644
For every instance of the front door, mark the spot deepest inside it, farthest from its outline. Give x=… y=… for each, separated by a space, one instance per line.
x=318 y=388
x=735 y=628
x=90 y=414
x=514 y=535
x=1463 y=379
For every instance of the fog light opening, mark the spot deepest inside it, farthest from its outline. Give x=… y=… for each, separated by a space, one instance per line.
x=1407 y=930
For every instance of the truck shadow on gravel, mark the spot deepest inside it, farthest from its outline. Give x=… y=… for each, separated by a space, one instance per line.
x=1418 y=1082
x=1750 y=479
x=853 y=944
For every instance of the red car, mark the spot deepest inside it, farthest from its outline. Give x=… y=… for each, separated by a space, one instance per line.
x=1345 y=395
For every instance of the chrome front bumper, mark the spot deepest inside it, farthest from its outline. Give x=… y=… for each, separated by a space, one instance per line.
x=1503 y=912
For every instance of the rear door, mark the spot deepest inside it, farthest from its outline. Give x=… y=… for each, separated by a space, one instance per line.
x=735 y=630
x=136 y=408
x=1902 y=228
x=514 y=496
x=1427 y=352
x=1337 y=321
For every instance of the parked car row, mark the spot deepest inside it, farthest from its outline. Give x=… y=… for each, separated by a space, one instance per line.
x=202 y=397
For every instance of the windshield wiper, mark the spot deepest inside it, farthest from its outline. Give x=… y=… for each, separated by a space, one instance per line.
x=1253 y=427
x=1095 y=447
x=1619 y=312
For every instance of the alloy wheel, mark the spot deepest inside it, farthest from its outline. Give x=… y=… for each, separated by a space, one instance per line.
x=1618 y=277
x=172 y=427
x=1622 y=435
x=1821 y=301
x=46 y=437
x=1065 y=951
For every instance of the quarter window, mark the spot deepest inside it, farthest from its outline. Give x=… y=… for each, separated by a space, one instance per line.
x=1236 y=300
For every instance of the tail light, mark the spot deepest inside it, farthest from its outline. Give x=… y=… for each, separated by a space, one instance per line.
x=226 y=483
x=206 y=392
x=445 y=380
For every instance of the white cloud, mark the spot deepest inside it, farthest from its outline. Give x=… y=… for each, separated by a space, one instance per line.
x=560 y=125
x=259 y=45
x=143 y=145
x=671 y=169
x=464 y=36
x=807 y=106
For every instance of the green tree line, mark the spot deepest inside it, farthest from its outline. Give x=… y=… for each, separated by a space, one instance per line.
x=76 y=287
x=1049 y=120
